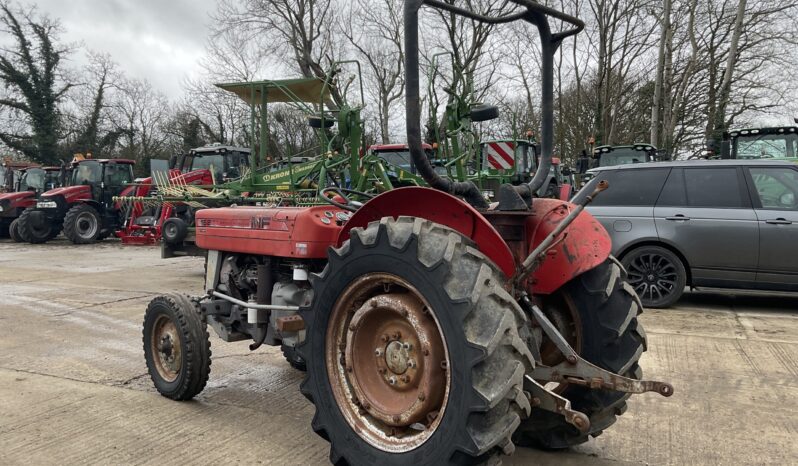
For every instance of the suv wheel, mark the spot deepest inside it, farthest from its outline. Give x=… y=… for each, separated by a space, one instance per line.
x=657 y=275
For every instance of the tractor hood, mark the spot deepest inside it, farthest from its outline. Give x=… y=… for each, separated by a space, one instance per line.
x=70 y=193
x=11 y=202
x=16 y=197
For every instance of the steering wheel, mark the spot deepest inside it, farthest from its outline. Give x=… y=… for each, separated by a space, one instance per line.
x=349 y=204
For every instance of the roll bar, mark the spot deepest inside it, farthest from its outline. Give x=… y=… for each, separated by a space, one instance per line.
x=531 y=12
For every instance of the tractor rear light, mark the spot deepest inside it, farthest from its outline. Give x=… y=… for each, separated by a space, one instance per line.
x=46 y=205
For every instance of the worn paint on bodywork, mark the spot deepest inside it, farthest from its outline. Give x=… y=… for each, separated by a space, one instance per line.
x=439 y=207
x=584 y=245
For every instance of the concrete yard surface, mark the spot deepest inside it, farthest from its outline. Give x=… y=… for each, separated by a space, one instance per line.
x=74 y=387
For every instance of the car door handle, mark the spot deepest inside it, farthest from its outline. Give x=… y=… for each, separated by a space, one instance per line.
x=678 y=218
x=778 y=221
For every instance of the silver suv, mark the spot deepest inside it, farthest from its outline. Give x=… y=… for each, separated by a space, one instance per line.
x=714 y=223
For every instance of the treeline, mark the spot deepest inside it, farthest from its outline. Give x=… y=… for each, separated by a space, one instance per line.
x=674 y=73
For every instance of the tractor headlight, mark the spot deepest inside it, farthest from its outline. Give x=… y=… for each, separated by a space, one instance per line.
x=46 y=205
x=1 y=207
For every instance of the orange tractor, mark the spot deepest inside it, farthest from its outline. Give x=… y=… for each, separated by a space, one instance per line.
x=434 y=328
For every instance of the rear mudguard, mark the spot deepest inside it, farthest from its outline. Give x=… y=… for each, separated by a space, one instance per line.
x=585 y=245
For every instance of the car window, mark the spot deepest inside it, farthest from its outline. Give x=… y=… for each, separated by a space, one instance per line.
x=674 y=193
x=713 y=187
x=638 y=187
x=777 y=187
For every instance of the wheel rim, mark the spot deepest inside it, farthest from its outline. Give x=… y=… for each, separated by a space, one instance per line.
x=653 y=276
x=165 y=345
x=171 y=230
x=387 y=362
x=86 y=225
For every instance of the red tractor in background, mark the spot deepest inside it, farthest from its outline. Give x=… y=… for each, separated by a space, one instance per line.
x=10 y=171
x=434 y=328
x=204 y=166
x=30 y=184
x=85 y=209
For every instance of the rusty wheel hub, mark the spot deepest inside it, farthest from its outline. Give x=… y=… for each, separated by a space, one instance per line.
x=388 y=364
x=565 y=317
x=165 y=344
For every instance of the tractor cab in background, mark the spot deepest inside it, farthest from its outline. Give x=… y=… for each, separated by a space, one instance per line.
x=31 y=183
x=609 y=156
x=10 y=173
x=223 y=163
x=398 y=155
x=775 y=143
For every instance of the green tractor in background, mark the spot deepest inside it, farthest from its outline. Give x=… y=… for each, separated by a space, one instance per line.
x=608 y=156
x=772 y=143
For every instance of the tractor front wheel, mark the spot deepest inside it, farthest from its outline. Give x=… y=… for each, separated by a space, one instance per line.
x=293 y=358
x=413 y=349
x=174 y=230
x=176 y=346
x=13 y=231
x=597 y=313
x=32 y=229
x=82 y=224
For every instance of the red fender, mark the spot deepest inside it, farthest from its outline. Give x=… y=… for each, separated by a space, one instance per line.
x=439 y=207
x=586 y=244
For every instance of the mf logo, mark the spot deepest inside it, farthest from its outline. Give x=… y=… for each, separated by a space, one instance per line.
x=259 y=223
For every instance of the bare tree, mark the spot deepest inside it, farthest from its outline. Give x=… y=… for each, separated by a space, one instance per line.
x=141 y=112
x=375 y=30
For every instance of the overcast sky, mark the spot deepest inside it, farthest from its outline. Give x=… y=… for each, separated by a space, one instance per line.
x=158 y=40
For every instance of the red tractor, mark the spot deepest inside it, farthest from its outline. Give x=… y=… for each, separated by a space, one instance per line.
x=85 y=209
x=434 y=328
x=203 y=166
x=30 y=183
x=10 y=171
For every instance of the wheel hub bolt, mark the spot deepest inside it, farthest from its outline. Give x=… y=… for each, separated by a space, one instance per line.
x=378 y=352
x=405 y=379
x=411 y=363
x=392 y=380
x=406 y=345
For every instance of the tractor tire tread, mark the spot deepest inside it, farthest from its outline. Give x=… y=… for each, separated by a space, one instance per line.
x=191 y=324
x=617 y=346
x=492 y=323
x=70 y=224
x=23 y=227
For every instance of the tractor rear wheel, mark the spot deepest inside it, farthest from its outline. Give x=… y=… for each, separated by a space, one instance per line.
x=413 y=349
x=177 y=348
x=597 y=313
x=34 y=230
x=13 y=231
x=82 y=224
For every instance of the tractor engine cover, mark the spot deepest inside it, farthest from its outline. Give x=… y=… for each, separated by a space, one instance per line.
x=291 y=232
